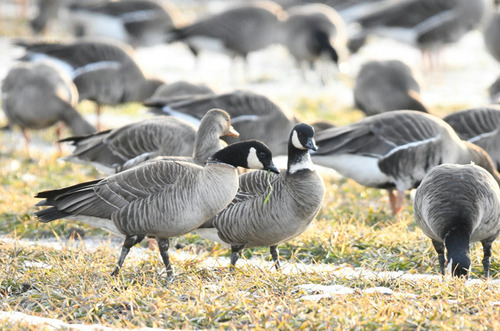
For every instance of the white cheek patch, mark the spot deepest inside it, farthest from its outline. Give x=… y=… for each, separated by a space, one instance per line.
x=253 y=161
x=296 y=142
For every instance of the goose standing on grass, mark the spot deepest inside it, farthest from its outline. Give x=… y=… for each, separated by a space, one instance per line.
x=386 y=85
x=271 y=209
x=395 y=150
x=39 y=95
x=457 y=205
x=139 y=23
x=253 y=115
x=161 y=199
x=103 y=71
x=236 y=31
x=480 y=126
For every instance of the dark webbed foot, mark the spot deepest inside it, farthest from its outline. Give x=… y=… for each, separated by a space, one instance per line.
x=275 y=255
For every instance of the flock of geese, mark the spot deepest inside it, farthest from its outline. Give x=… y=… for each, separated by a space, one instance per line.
x=177 y=172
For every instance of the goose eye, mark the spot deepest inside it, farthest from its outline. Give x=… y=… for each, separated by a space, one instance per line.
x=262 y=155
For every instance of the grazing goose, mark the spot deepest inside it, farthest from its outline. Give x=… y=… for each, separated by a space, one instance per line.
x=311 y=31
x=39 y=95
x=161 y=199
x=480 y=126
x=386 y=85
x=138 y=23
x=269 y=210
x=103 y=71
x=236 y=31
x=395 y=150
x=253 y=115
x=457 y=205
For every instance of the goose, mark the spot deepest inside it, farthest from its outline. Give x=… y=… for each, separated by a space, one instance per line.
x=253 y=115
x=457 y=205
x=161 y=199
x=139 y=23
x=48 y=10
x=479 y=125
x=105 y=72
x=311 y=31
x=38 y=95
x=426 y=24
x=122 y=148
x=395 y=150
x=382 y=86
x=236 y=31
x=177 y=91
x=269 y=210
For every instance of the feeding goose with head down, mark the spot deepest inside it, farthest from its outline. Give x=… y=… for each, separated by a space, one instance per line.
x=457 y=205
x=270 y=209
x=160 y=199
x=395 y=150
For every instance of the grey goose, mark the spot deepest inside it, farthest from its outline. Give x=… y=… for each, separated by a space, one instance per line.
x=121 y=148
x=481 y=126
x=236 y=31
x=253 y=115
x=457 y=205
x=382 y=86
x=179 y=90
x=395 y=150
x=39 y=95
x=161 y=199
x=48 y=11
x=270 y=209
x=105 y=72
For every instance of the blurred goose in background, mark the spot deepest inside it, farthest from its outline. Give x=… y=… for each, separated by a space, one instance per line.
x=104 y=72
x=270 y=209
x=110 y=150
x=39 y=95
x=177 y=91
x=491 y=34
x=480 y=126
x=313 y=31
x=426 y=24
x=161 y=199
x=382 y=86
x=138 y=23
x=48 y=10
x=236 y=31
x=457 y=205
x=253 y=115
x=395 y=150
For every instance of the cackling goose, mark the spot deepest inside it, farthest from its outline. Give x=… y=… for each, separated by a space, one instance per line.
x=395 y=150
x=386 y=85
x=480 y=126
x=253 y=115
x=271 y=209
x=457 y=205
x=38 y=95
x=161 y=199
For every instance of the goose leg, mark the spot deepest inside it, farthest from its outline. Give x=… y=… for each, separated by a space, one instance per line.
x=129 y=242
x=163 y=245
x=275 y=255
x=235 y=254
x=439 y=247
x=396 y=200
x=486 y=257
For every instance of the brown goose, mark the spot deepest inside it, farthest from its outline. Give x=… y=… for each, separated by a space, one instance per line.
x=395 y=150
x=161 y=199
x=457 y=205
x=39 y=95
x=386 y=85
x=263 y=216
x=480 y=126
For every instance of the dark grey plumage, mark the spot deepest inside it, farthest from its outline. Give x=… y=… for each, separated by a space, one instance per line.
x=236 y=31
x=457 y=205
x=159 y=199
x=253 y=115
x=480 y=126
x=491 y=34
x=386 y=85
x=270 y=209
x=395 y=150
x=109 y=151
x=39 y=95
x=48 y=11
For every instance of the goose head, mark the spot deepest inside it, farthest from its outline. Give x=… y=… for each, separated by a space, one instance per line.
x=300 y=142
x=221 y=122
